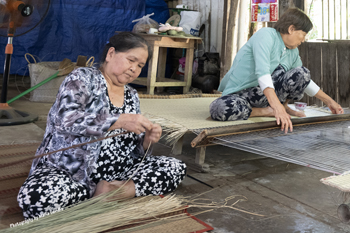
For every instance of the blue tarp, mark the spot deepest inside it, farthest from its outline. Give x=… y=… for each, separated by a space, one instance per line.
x=79 y=27
x=160 y=10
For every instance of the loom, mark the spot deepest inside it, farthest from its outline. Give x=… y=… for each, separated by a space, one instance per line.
x=260 y=135
x=319 y=140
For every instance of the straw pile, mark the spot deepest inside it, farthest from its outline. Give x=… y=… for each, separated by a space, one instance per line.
x=101 y=214
x=105 y=214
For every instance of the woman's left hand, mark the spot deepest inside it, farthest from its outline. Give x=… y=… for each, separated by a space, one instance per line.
x=331 y=104
x=152 y=136
x=335 y=107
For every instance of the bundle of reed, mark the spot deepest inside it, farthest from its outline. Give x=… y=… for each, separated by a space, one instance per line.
x=102 y=214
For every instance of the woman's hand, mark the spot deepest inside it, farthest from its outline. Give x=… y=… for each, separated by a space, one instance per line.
x=331 y=104
x=133 y=123
x=282 y=117
x=152 y=136
x=335 y=107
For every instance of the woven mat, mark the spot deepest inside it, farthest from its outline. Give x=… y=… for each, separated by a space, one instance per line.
x=12 y=178
x=13 y=153
x=193 y=113
x=341 y=182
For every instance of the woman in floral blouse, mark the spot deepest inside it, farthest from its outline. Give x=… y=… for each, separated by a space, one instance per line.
x=93 y=103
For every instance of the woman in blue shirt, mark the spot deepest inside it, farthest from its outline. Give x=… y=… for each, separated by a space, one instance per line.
x=267 y=73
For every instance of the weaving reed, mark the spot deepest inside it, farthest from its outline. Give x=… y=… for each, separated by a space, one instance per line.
x=322 y=146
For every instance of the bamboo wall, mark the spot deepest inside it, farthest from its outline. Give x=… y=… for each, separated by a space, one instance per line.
x=329 y=64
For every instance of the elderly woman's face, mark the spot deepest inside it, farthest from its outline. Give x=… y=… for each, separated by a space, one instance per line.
x=122 y=68
x=294 y=38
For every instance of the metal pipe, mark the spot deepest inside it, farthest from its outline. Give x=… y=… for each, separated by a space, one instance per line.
x=322 y=20
x=340 y=20
x=347 y=20
x=329 y=23
x=335 y=29
x=7 y=65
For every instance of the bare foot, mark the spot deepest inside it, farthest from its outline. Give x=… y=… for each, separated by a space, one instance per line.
x=128 y=189
x=294 y=112
x=262 y=112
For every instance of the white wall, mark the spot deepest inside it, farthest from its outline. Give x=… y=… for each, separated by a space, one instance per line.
x=212 y=16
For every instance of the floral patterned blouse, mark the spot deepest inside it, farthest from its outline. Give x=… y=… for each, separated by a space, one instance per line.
x=83 y=112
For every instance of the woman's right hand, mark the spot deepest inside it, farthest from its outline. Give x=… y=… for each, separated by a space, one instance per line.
x=132 y=122
x=283 y=118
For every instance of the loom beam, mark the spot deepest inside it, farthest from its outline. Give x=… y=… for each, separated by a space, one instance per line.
x=206 y=137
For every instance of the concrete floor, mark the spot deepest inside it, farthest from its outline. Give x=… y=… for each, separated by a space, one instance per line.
x=291 y=197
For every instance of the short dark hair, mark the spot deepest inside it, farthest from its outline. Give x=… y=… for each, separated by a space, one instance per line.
x=297 y=18
x=123 y=42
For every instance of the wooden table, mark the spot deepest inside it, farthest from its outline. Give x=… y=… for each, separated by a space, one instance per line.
x=156 y=66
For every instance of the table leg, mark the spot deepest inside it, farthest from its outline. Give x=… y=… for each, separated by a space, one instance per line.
x=152 y=71
x=161 y=66
x=188 y=67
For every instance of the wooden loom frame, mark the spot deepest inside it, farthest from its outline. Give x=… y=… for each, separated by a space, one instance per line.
x=206 y=137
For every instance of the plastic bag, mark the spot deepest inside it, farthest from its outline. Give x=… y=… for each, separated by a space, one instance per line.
x=190 y=22
x=144 y=24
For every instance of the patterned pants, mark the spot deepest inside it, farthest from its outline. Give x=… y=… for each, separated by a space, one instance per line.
x=238 y=106
x=50 y=189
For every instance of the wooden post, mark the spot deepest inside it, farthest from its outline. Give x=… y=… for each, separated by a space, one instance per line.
x=200 y=155
x=223 y=43
x=343 y=53
x=314 y=64
x=329 y=66
x=230 y=31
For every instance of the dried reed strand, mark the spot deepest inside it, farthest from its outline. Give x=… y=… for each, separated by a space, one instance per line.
x=172 y=131
x=99 y=214
x=102 y=216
